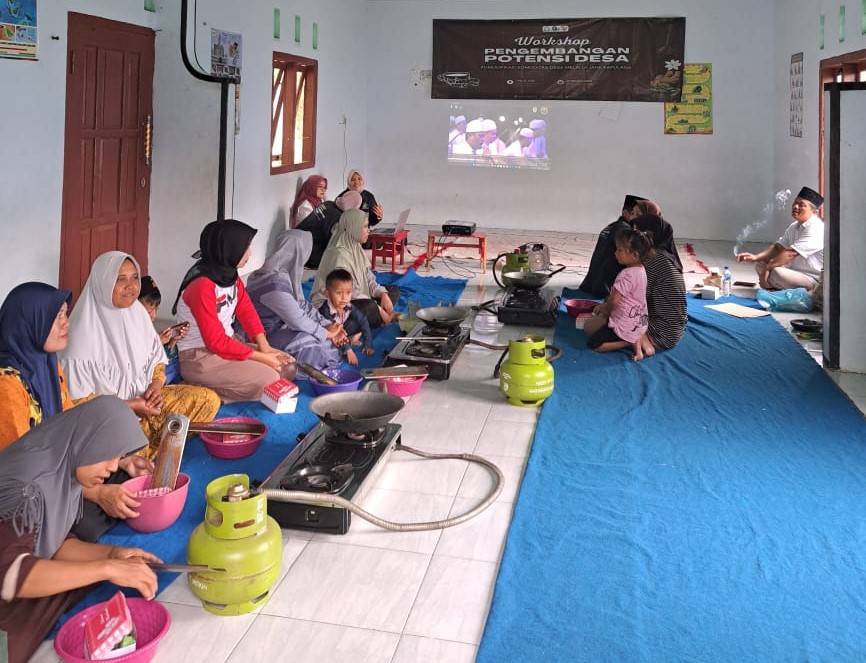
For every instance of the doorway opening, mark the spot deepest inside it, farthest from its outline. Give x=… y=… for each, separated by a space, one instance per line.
x=848 y=68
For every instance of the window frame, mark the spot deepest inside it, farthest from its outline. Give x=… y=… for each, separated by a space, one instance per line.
x=292 y=65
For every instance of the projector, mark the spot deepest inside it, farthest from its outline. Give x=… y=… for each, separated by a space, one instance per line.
x=458 y=227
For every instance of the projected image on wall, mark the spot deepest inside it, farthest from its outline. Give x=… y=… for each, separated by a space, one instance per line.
x=495 y=135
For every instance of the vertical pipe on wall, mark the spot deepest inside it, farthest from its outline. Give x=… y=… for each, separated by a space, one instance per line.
x=224 y=82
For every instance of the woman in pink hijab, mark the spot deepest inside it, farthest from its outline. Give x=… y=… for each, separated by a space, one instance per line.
x=310 y=196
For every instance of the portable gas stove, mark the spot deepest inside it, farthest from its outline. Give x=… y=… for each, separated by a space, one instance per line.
x=433 y=347
x=535 y=307
x=327 y=461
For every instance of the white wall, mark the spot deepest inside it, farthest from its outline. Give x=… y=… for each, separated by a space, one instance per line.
x=32 y=116
x=186 y=128
x=186 y=112
x=708 y=186
x=796 y=159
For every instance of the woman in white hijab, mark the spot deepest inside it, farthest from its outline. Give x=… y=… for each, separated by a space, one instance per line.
x=114 y=349
x=344 y=252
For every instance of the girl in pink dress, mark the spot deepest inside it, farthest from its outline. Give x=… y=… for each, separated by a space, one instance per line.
x=622 y=320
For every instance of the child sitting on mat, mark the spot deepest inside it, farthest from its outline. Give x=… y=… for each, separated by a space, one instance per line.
x=338 y=307
x=622 y=320
x=151 y=297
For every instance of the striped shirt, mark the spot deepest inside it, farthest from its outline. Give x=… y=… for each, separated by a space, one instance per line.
x=666 y=301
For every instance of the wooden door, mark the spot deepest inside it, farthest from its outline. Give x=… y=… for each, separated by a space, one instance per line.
x=106 y=170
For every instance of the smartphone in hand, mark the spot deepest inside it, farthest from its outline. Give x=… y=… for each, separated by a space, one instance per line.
x=179 y=329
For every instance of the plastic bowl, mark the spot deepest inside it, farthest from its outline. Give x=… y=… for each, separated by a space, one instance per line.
x=577 y=306
x=347 y=380
x=157 y=512
x=403 y=386
x=233 y=445
x=151 y=620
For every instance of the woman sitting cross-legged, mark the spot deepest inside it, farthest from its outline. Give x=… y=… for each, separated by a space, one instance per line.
x=114 y=349
x=291 y=323
x=211 y=296
x=344 y=252
x=33 y=328
x=45 y=570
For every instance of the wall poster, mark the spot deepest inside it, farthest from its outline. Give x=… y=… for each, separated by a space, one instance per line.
x=693 y=113
x=602 y=59
x=225 y=53
x=797 y=95
x=18 y=29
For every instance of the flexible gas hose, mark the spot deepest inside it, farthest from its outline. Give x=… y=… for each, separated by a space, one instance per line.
x=318 y=499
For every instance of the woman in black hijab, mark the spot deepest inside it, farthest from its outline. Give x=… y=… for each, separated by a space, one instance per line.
x=665 y=289
x=211 y=297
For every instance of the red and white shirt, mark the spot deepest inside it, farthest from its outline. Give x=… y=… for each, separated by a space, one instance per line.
x=211 y=309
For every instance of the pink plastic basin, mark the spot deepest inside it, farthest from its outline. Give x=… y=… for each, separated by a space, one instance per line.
x=404 y=386
x=151 y=620
x=160 y=511
x=233 y=445
x=577 y=306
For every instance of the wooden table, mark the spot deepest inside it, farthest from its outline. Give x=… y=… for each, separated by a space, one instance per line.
x=439 y=241
x=388 y=246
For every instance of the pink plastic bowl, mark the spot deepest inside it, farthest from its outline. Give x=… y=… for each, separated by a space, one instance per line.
x=158 y=512
x=233 y=445
x=577 y=306
x=404 y=386
x=151 y=620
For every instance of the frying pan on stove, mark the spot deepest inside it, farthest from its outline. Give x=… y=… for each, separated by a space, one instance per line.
x=530 y=280
x=443 y=317
x=356 y=411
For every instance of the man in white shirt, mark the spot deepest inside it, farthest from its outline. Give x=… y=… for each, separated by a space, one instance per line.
x=474 y=139
x=797 y=258
x=520 y=145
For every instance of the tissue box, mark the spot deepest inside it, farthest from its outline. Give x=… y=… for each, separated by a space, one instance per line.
x=281 y=396
x=710 y=292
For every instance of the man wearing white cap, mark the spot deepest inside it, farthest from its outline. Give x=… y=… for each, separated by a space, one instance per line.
x=457 y=135
x=474 y=139
x=492 y=144
x=519 y=147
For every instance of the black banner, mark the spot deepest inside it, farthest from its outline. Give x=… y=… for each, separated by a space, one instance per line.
x=602 y=59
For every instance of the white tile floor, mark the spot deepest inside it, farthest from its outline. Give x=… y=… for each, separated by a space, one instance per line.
x=384 y=597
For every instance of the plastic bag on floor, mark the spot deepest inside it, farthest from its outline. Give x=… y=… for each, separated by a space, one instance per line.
x=793 y=300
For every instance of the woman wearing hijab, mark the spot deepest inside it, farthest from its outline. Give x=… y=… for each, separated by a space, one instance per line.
x=310 y=196
x=344 y=252
x=43 y=569
x=666 y=290
x=114 y=349
x=321 y=223
x=291 y=323
x=33 y=328
x=210 y=298
x=369 y=205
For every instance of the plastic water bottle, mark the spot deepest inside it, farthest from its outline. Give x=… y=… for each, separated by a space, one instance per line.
x=726 y=282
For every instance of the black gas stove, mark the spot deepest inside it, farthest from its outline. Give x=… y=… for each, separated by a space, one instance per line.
x=535 y=307
x=433 y=347
x=328 y=462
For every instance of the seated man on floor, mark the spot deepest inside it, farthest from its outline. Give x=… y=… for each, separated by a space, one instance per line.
x=603 y=266
x=797 y=258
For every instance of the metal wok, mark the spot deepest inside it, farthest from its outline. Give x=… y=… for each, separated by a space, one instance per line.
x=530 y=280
x=356 y=412
x=443 y=317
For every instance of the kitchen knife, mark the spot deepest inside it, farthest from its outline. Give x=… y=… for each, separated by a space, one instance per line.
x=316 y=374
x=182 y=568
x=227 y=427
x=394 y=372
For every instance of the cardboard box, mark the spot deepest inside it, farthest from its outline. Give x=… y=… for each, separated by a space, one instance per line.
x=110 y=633
x=710 y=292
x=281 y=396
